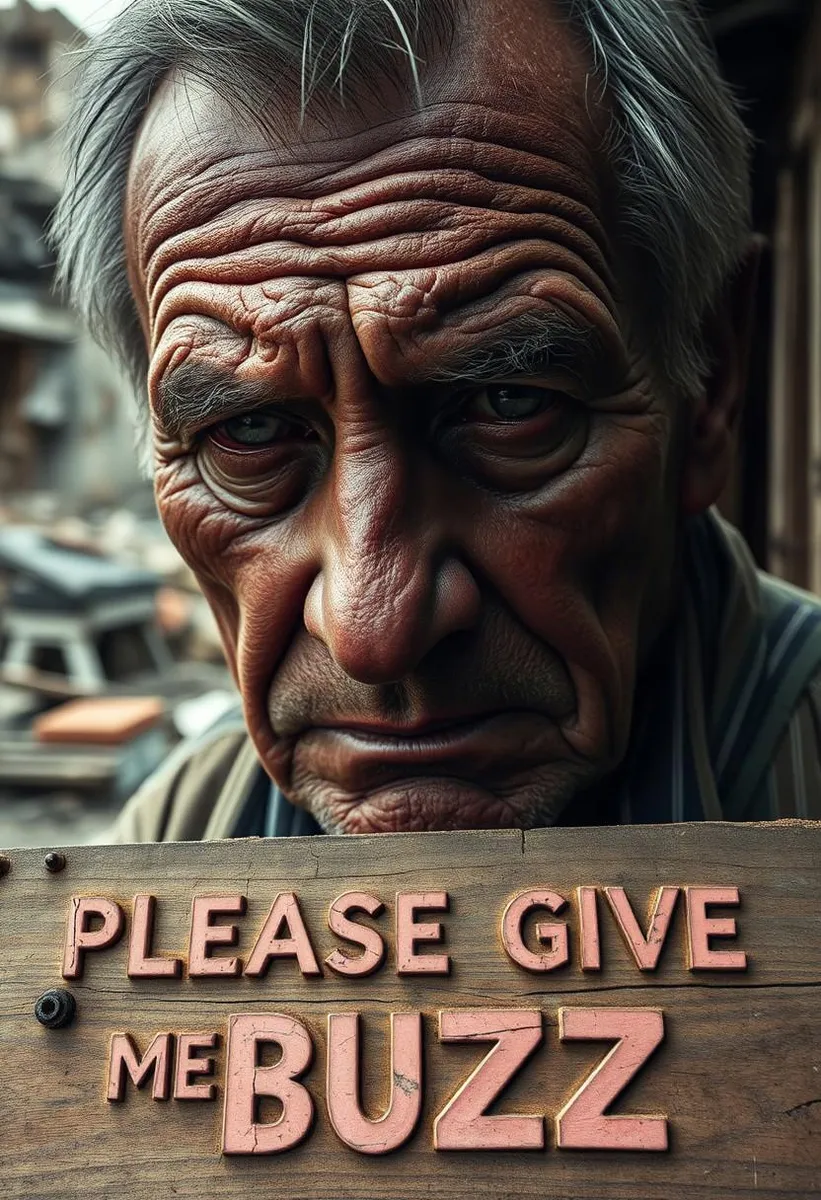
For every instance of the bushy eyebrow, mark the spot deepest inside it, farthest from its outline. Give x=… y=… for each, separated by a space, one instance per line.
x=195 y=395
x=529 y=345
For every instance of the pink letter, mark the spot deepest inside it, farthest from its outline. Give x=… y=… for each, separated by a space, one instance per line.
x=581 y=1124
x=80 y=938
x=398 y=1122
x=204 y=935
x=555 y=935
x=370 y=941
x=189 y=1065
x=244 y=1081
x=589 y=929
x=645 y=950
x=270 y=944
x=462 y=1125
x=701 y=928
x=140 y=963
x=408 y=933
x=123 y=1057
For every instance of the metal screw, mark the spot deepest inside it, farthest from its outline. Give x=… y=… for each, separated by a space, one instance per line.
x=55 y=1008
x=55 y=862
x=5 y=865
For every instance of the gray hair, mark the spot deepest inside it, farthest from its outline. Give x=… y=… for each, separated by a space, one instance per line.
x=677 y=146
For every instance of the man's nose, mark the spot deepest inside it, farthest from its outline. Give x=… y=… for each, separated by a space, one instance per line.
x=389 y=588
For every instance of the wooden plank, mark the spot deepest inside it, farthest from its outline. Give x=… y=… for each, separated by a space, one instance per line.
x=788 y=410
x=738 y=1076
x=28 y=763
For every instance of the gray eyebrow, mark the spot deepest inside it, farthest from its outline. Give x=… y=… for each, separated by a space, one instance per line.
x=528 y=346
x=195 y=395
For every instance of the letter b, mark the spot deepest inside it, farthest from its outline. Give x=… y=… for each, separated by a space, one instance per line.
x=245 y=1081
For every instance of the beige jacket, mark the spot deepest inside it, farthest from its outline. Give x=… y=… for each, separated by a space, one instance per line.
x=197 y=795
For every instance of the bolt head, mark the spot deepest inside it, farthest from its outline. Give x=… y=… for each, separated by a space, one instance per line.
x=5 y=865
x=55 y=1008
x=55 y=862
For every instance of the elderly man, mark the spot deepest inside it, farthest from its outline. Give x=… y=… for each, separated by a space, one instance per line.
x=440 y=311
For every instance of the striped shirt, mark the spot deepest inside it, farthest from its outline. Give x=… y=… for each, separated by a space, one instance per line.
x=726 y=727
x=732 y=731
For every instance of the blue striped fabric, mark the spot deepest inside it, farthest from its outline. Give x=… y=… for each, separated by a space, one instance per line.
x=764 y=638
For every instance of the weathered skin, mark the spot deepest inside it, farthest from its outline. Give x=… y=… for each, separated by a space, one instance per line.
x=400 y=557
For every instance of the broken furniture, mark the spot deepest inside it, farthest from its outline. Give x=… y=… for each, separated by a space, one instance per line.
x=71 y=613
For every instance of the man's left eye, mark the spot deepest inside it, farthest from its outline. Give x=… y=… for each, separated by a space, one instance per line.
x=509 y=402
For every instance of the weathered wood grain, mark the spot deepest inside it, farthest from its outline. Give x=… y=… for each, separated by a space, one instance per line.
x=739 y=1075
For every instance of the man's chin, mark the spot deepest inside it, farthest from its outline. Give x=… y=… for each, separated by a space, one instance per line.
x=431 y=803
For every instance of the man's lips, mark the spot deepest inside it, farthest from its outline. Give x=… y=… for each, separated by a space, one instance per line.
x=422 y=730
x=363 y=755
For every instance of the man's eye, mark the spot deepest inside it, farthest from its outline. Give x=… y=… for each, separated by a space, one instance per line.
x=253 y=429
x=509 y=402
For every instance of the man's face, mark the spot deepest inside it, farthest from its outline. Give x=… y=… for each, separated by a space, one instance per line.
x=436 y=553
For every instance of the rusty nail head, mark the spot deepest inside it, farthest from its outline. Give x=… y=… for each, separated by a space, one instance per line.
x=55 y=1008
x=55 y=862
x=5 y=865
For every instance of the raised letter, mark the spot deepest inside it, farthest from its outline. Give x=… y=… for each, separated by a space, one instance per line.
x=590 y=942
x=140 y=963
x=581 y=1123
x=700 y=928
x=189 y=1064
x=645 y=950
x=409 y=932
x=462 y=1125
x=80 y=938
x=270 y=944
x=555 y=935
x=245 y=1081
x=123 y=1058
x=395 y=1126
x=204 y=935
x=361 y=935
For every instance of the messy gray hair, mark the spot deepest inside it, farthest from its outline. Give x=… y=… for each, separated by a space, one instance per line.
x=677 y=146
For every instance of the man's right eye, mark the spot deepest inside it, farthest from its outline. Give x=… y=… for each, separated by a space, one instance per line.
x=255 y=430
x=261 y=462
x=251 y=429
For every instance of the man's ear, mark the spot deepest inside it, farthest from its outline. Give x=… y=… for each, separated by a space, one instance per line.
x=711 y=424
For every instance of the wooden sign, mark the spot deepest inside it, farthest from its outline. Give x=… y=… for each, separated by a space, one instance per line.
x=632 y=1013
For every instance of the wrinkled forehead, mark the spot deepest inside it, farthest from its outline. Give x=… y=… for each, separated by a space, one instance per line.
x=511 y=81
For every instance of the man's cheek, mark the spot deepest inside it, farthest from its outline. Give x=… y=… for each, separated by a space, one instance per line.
x=593 y=534
x=578 y=564
x=540 y=571
x=208 y=539
x=199 y=528
x=254 y=574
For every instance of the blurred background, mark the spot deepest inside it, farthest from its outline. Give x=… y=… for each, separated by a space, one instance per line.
x=108 y=654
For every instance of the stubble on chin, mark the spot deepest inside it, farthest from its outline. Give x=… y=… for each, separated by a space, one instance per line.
x=431 y=804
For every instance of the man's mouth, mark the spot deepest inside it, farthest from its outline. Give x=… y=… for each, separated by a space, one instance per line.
x=363 y=755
